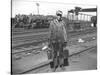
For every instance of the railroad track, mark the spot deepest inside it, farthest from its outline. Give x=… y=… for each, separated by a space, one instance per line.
x=37 y=49
x=31 y=31
x=18 y=54
x=27 y=51
x=47 y=63
x=28 y=31
x=46 y=32
x=44 y=39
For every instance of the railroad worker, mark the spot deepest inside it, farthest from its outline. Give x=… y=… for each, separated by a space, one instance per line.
x=58 y=37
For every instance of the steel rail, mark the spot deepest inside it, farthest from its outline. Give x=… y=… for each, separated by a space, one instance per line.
x=47 y=63
x=45 y=39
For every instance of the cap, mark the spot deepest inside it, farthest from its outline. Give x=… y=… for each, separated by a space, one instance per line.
x=59 y=12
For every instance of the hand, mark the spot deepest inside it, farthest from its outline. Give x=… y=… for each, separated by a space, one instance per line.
x=64 y=44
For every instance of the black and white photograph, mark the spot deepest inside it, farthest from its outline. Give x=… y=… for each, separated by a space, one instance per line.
x=48 y=37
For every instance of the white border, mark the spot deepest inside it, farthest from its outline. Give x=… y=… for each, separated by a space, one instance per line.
x=5 y=15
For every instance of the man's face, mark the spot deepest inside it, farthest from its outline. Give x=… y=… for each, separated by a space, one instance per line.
x=59 y=16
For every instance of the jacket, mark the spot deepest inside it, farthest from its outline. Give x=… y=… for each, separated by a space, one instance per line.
x=58 y=31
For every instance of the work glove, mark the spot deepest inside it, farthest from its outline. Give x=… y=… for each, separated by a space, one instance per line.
x=64 y=44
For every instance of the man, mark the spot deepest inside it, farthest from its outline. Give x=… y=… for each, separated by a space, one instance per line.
x=58 y=37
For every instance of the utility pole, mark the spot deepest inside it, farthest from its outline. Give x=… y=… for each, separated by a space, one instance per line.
x=37 y=7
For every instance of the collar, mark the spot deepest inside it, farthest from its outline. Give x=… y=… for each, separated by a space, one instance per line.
x=58 y=20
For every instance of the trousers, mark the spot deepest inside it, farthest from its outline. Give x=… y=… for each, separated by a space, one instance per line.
x=58 y=57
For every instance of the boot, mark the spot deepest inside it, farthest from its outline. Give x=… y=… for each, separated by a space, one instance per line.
x=54 y=69
x=62 y=67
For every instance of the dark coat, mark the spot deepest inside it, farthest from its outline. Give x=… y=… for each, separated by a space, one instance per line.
x=58 y=36
x=58 y=31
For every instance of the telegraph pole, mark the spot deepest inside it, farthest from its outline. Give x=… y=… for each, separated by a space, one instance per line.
x=37 y=8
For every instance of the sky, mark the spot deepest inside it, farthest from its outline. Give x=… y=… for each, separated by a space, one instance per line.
x=45 y=8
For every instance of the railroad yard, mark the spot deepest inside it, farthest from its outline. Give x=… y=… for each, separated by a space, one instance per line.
x=47 y=35
x=28 y=57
